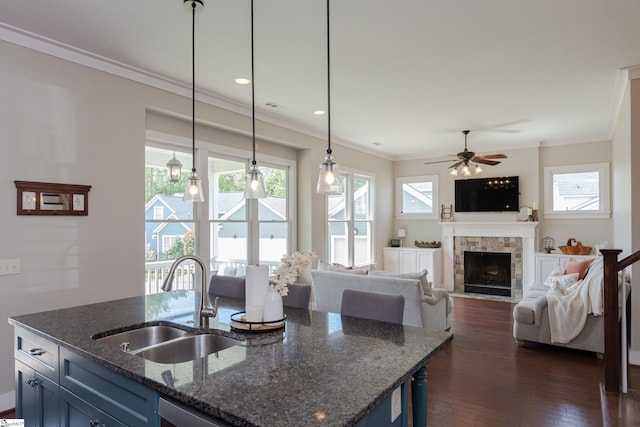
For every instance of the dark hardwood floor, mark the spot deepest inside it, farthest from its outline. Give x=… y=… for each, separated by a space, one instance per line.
x=483 y=378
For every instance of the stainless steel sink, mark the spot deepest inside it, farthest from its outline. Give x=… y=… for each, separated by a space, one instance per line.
x=145 y=336
x=186 y=348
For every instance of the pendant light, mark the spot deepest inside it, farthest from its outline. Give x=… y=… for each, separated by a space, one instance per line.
x=174 y=168
x=193 y=190
x=329 y=178
x=254 y=183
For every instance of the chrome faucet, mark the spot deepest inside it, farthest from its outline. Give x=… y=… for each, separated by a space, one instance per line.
x=206 y=311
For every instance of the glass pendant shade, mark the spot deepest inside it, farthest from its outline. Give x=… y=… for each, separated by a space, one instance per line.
x=329 y=177
x=193 y=191
x=174 y=168
x=454 y=172
x=466 y=171
x=254 y=184
x=478 y=169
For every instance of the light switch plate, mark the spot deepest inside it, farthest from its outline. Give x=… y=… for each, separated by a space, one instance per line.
x=9 y=266
x=396 y=404
x=29 y=200
x=78 y=202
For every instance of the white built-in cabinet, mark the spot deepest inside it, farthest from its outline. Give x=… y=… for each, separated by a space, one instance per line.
x=410 y=260
x=546 y=263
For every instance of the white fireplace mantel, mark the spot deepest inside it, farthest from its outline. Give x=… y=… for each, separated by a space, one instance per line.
x=524 y=230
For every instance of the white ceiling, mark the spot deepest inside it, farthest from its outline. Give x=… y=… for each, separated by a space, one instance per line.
x=408 y=75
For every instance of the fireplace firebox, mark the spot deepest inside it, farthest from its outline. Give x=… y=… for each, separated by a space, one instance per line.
x=487 y=273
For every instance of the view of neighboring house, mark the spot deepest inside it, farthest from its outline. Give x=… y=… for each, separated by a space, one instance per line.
x=169 y=218
x=417 y=197
x=177 y=219
x=578 y=191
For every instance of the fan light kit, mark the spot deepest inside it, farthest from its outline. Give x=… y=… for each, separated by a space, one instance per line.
x=467 y=159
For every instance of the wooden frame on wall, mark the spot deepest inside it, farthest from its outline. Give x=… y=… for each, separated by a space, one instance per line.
x=46 y=198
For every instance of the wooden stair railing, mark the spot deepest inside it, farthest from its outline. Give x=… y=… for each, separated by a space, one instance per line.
x=612 y=352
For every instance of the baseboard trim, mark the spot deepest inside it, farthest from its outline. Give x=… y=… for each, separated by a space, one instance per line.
x=634 y=358
x=7 y=401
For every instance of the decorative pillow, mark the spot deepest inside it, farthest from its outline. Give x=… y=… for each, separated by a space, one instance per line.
x=563 y=280
x=579 y=267
x=422 y=276
x=323 y=266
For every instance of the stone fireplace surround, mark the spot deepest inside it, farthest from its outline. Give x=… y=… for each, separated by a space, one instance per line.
x=510 y=245
x=490 y=235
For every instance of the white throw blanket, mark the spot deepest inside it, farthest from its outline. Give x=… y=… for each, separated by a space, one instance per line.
x=569 y=307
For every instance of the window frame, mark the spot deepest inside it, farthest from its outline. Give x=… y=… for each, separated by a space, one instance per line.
x=350 y=220
x=604 y=190
x=201 y=221
x=400 y=181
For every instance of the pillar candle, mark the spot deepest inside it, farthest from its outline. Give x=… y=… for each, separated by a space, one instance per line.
x=256 y=285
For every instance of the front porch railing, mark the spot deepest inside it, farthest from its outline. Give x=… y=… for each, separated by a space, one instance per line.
x=156 y=271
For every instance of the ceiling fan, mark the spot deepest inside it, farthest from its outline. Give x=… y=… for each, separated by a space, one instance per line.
x=467 y=157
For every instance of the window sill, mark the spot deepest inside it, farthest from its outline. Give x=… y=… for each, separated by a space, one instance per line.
x=574 y=215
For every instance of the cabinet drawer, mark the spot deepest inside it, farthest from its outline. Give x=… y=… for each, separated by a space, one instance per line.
x=124 y=399
x=77 y=412
x=37 y=353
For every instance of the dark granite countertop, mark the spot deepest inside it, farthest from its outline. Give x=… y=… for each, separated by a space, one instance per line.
x=323 y=369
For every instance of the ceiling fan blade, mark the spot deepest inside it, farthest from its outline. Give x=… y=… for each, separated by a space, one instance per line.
x=492 y=156
x=455 y=165
x=439 y=161
x=486 y=162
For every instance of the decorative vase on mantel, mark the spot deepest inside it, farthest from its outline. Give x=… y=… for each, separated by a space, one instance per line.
x=273 y=310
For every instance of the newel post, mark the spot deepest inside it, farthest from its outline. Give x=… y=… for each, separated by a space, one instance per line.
x=612 y=355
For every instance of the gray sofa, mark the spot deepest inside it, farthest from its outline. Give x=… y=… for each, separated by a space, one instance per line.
x=432 y=312
x=531 y=320
x=531 y=323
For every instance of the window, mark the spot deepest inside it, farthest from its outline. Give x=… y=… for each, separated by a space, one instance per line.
x=158 y=212
x=227 y=229
x=417 y=197
x=247 y=231
x=169 y=221
x=577 y=191
x=350 y=222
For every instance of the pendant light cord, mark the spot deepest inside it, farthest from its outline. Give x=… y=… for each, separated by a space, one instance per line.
x=253 y=96
x=193 y=86
x=328 y=85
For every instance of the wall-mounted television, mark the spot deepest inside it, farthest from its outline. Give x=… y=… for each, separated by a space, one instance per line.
x=500 y=194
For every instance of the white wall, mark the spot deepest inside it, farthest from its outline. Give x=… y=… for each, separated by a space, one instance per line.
x=523 y=163
x=63 y=122
x=630 y=227
x=528 y=164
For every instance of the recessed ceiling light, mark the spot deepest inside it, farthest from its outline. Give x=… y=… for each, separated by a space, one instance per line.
x=242 y=81
x=319 y=112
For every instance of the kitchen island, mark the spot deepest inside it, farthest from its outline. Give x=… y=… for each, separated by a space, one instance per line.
x=321 y=369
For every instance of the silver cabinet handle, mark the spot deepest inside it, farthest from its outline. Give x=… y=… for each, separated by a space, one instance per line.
x=33 y=382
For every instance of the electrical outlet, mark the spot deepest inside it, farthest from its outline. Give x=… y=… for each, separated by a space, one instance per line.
x=9 y=266
x=396 y=404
